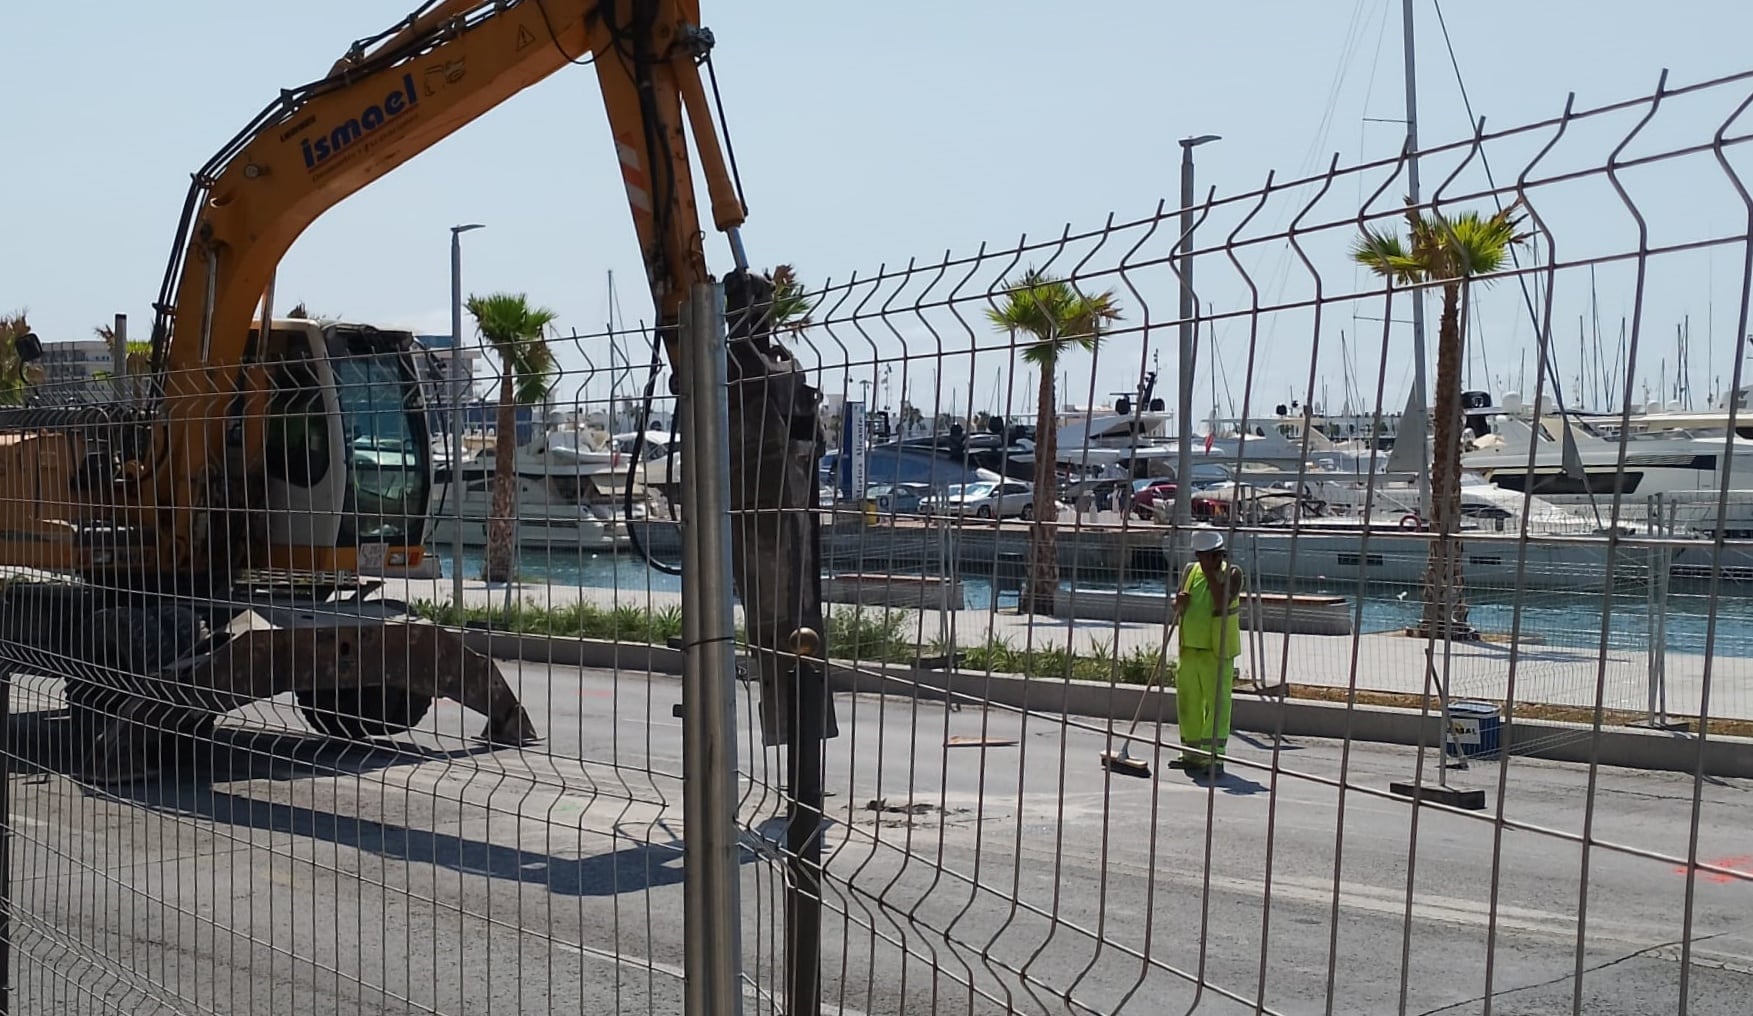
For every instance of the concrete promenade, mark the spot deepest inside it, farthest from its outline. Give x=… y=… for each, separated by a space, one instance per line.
x=1552 y=668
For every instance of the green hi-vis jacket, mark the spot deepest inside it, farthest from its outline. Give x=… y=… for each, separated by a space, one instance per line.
x=1200 y=626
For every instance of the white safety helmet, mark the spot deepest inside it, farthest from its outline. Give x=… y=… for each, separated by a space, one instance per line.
x=1207 y=539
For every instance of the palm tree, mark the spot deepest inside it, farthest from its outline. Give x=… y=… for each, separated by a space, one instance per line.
x=1060 y=318
x=1452 y=252
x=515 y=331
x=791 y=304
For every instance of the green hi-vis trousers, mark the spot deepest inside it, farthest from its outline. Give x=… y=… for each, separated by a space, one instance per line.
x=1203 y=683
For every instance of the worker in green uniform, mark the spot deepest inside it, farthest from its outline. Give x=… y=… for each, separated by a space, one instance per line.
x=1208 y=607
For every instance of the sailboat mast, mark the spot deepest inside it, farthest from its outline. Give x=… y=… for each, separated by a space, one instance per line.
x=1582 y=359
x=1686 y=362
x=1211 y=357
x=1418 y=361
x=615 y=374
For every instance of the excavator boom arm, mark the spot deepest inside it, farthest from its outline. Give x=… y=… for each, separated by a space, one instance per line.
x=380 y=107
x=376 y=111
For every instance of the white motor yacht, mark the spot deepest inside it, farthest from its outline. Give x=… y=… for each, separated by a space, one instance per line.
x=569 y=496
x=1284 y=533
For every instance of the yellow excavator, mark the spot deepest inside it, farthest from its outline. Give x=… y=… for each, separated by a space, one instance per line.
x=178 y=555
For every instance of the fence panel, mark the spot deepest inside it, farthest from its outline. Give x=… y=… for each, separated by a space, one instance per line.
x=1510 y=785
x=329 y=843
x=1563 y=697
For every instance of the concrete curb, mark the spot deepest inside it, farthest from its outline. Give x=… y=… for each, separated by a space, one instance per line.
x=593 y=653
x=1625 y=747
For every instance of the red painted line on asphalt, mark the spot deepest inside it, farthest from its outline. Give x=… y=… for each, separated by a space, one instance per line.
x=1739 y=863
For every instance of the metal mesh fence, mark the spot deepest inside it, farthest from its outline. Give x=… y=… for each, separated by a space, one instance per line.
x=412 y=774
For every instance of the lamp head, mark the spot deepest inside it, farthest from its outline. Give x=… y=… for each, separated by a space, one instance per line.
x=28 y=348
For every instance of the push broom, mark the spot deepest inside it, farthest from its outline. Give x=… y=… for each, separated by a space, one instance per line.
x=1122 y=761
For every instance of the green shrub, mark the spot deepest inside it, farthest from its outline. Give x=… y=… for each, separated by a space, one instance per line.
x=855 y=633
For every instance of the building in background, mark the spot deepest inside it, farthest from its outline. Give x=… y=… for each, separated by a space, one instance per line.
x=452 y=380
x=455 y=377
x=75 y=362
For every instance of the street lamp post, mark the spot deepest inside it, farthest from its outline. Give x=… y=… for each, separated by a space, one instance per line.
x=456 y=407
x=1408 y=50
x=1184 y=385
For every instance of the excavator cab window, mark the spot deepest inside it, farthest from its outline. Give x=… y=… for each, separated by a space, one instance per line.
x=388 y=449
x=297 y=449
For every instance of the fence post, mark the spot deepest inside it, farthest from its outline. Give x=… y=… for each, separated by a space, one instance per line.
x=1652 y=619
x=1663 y=522
x=6 y=748
x=1665 y=561
x=711 y=908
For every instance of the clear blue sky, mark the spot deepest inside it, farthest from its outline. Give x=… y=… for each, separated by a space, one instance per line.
x=867 y=133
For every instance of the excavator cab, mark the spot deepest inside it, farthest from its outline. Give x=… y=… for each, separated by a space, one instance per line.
x=345 y=447
x=328 y=435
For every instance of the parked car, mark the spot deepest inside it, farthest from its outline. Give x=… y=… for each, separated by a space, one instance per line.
x=898 y=498
x=985 y=499
x=1104 y=492
x=1146 y=494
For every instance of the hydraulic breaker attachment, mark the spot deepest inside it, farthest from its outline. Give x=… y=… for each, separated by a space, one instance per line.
x=775 y=446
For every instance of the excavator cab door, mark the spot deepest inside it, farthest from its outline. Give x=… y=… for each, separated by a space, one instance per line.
x=346 y=452
x=386 y=435
x=303 y=461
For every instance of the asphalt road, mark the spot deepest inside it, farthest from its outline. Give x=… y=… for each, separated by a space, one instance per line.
x=275 y=872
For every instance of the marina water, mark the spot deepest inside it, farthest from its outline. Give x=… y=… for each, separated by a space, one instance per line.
x=1552 y=618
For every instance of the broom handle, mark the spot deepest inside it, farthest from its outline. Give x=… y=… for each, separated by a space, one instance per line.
x=1156 y=675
